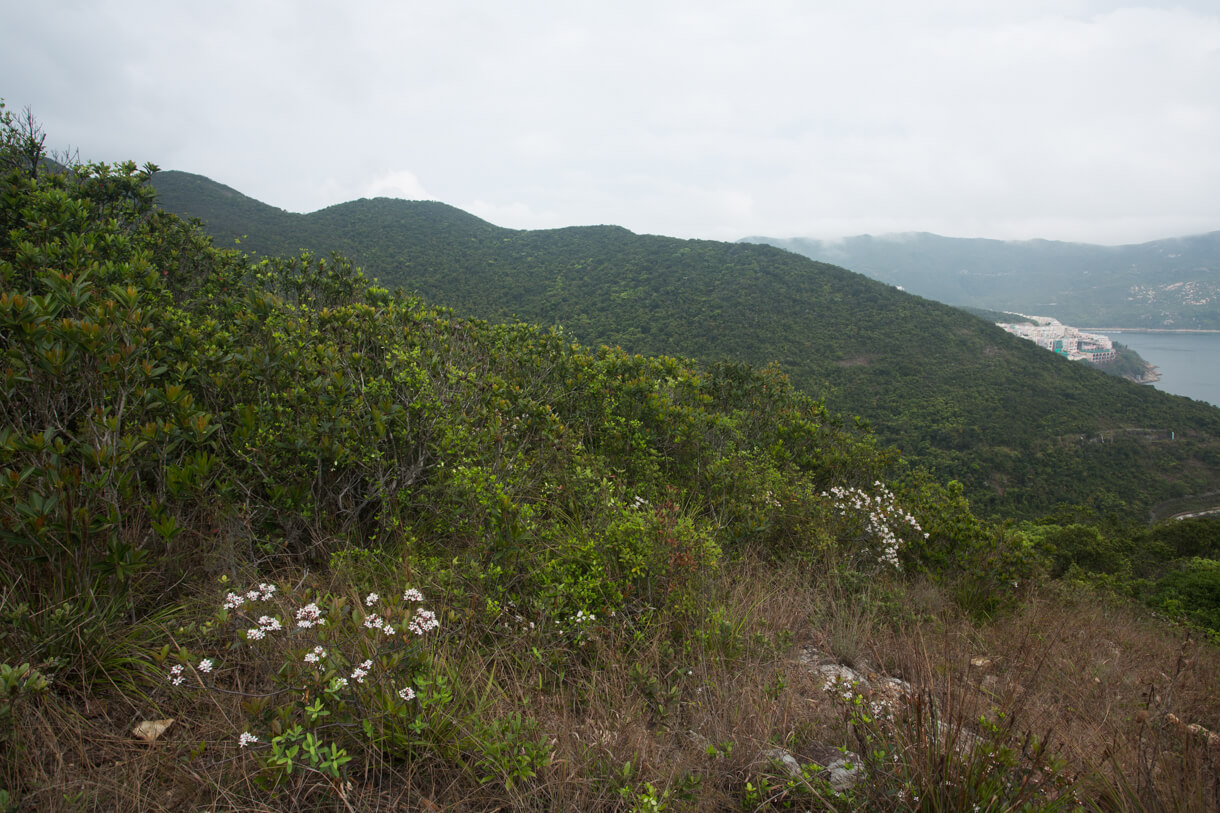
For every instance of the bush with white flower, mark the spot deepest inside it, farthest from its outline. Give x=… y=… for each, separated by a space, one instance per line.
x=359 y=666
x=873 y=523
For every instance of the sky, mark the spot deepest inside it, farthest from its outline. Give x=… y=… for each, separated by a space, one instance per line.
x=1061 y=119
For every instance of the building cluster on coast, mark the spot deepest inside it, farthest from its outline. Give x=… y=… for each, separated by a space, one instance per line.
x=1063 y=339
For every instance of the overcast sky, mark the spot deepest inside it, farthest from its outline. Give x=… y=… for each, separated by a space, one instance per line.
x=1076 y=120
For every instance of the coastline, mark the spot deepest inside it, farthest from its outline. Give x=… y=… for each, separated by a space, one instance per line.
x=1152 y=374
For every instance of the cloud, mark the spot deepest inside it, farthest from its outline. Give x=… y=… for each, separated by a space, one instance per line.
x=397 y=184
x=1083 y=119
x=516 y=215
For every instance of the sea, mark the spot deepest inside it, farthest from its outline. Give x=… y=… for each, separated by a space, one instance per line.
x=1189 y=363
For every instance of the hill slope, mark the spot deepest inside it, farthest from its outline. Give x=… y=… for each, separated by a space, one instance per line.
x=1170 y=283
x=1023 y=429
x=282 y=540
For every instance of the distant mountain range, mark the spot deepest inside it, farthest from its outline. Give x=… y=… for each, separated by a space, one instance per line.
x=1022 y=429
x=1172 y=283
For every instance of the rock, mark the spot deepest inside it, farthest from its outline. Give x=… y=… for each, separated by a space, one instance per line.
x=843 y=769
x=891 y=691
x=779 y=756
x=698 y=740
x=838 y=673
x=842 y=773
x=845 y=773
x=810 y=658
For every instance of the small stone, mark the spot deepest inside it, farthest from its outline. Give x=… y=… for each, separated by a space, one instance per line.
x=783 y=758
x=845 y=773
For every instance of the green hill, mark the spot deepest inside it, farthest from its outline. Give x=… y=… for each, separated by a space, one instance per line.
x=1022 y=429
x=1161 y=284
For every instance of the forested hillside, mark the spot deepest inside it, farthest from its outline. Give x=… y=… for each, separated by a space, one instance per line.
x=278 y=538
x=1168 y=283
x=1023 y=430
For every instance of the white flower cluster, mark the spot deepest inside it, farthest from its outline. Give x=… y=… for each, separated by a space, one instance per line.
x=309 y=616
x=882 y=517
x=362 y=671
x=424 y=621
x=376 y=622
x=266 y=624
x=263 y=593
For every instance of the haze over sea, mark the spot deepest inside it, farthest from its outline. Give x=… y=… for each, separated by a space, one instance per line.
x=1189 y=363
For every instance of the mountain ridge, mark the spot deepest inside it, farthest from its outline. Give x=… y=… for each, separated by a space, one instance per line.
x=1167 y=283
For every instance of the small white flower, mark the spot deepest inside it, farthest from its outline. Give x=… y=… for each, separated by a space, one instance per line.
x=269 y=624
x=424 y=621
x=338 y=683
x=205 y=665
x=407 y=694
x=175 y=675
x=362 y=671
x=266 y=591
x=387 y=629
x=411 y=594
x=374 y=622
x=246 y=738
x=309 y=615
x=371 y=599
x=233 y=601
x=255 y=634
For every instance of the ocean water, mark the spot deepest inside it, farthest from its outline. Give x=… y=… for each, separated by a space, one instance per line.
x=1189 y=363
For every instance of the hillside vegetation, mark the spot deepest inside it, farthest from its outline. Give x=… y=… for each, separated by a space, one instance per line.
x=1168 y=283
x=1022 y=430
x=278 y=538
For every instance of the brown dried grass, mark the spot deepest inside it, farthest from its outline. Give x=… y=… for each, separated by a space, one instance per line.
x=1108 y=687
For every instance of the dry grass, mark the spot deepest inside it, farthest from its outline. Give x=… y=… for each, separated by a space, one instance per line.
x=683 y=713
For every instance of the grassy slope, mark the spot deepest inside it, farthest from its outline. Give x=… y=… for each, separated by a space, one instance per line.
x=1018 y=426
